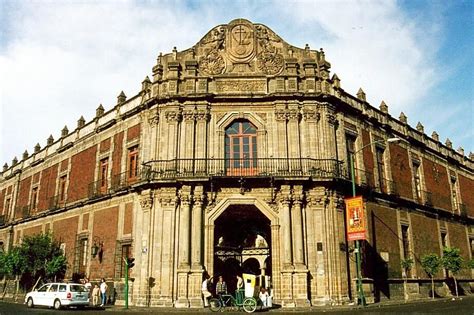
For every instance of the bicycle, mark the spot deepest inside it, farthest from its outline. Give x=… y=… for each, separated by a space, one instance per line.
x=249 y=304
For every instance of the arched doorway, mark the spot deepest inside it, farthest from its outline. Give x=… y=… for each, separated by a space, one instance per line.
x=242 y=243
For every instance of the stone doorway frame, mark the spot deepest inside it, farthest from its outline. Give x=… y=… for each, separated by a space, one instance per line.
x=265 y=209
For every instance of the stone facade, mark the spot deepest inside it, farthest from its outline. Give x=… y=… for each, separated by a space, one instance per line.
x=240 y=138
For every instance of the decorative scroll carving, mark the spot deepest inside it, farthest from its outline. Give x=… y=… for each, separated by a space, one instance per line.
x=269 y=61
x=310 y=115
x=293 y=114
x=202 y=115
x=281 y=114
x=154 y=120
x=173 y=116
x=188 y=115
x=146 y=202
x=212 y=62
x=241 y=85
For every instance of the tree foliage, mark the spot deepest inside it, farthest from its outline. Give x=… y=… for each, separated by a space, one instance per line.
x=452 y=260
x=431 y=264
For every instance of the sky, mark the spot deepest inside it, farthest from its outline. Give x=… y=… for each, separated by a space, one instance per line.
x=61 y=59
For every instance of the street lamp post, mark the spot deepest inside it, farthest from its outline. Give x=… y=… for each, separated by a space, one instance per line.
x=360 y=290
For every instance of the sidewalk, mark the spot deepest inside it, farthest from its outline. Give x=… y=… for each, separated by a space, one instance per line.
x=277 y=308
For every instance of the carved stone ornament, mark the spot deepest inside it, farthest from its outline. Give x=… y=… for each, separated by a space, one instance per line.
x=281 y=114
x=232 y=86
x=146 y=202
x=202 y=115
x=213 y=63
x=310 y=115
x=269 y=61
x=153 y=120
x=172 y=116
x=240 y=41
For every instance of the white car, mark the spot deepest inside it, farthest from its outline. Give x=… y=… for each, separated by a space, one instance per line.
x=58 y=295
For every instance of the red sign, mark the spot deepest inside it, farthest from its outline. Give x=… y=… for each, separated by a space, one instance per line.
x=355 y=218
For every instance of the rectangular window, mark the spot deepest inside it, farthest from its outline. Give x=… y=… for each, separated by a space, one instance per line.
x=417 y=180
x=350 y=149
x=103 y=174
x=62 y=188
x=454 y=193
x=34 y=198
x=444 y=239
x=6 y=210
x=126 y=252
x=132 y=171
x=82 y=255
x=381 y=168
x=406 y=244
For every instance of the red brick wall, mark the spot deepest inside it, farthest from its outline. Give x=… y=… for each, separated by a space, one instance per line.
x=117 y=154
x=65 y=231
x=23 y=196
x=105 y=227
x=82 y=173
x=128 y=220
x=368 y=157
x=64 y=165
x=401 y=172
x=133 y=132
x=424 y=243
x=383 y=228
x=436 y=180
x=34 y=230
x=47 y=187
x=105 y=145
x=466 y=187
x=458 y=238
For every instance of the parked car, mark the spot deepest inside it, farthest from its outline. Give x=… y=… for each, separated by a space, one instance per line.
x=58 y=295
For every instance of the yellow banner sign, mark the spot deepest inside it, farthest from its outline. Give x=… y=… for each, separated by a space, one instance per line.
x=355 y=218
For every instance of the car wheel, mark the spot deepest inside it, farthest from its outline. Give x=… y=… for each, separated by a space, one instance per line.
x=29 y=303
x=57 y=304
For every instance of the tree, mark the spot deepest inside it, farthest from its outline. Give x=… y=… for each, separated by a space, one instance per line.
x=452 y=261
x=470 y=263
x=431 y=264
x=406 y=264
x=14 y=265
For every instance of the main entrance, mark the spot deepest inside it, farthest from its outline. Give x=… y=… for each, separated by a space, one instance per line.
x=242 y=243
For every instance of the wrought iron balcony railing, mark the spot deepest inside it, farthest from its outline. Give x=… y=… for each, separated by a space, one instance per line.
x=56 y=202
x=124 y=180
x=3 y=219
x=462 y=210
x=255 y=167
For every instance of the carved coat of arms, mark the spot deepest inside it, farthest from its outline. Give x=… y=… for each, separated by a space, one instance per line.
x=241 y=42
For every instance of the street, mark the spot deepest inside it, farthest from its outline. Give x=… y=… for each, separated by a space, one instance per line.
x=442 y=306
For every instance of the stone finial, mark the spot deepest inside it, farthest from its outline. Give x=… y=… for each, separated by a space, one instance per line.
x=448 y=143
x=99 y=112
x=64 y=132
x=435 y=136
x=5 y=167
x=383 y=107
x=146 y=83
x=471 y=156
x=121 y=98
x=306 y=47
x=335 y=81
x=403 y=118
x=420 y=127
x=25 y=155
x=461 y=151
x=37 y=148
x=14 y=161
x=50 y=140
x=322 y=55
x=175 y=53
x=81 y=122
x=361 y=95
x=159 y=58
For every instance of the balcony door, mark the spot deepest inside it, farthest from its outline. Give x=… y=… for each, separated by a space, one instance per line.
x=241 y=149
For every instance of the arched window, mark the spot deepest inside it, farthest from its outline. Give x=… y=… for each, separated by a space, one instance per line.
x=241 y=148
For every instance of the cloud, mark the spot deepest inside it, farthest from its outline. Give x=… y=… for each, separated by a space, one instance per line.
x=60 y=60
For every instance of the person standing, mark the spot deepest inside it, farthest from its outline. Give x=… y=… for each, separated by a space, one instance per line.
x=95 y=295
x=239 y=293
x=205 y=289
x=221 y=286
x=103 y=292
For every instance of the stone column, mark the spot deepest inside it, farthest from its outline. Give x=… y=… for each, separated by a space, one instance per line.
x=287 y=268
x=281 y=114
x=202 y=117
x=195 y=278
x=173 y=117
x=183 y=248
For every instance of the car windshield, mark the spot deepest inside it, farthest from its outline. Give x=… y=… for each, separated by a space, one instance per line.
x=43 y=288
x=78 y=288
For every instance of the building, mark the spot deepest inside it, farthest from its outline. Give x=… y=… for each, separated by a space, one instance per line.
x=232 y=158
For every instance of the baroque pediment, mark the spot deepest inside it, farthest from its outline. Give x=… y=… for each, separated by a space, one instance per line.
x=242 y=47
